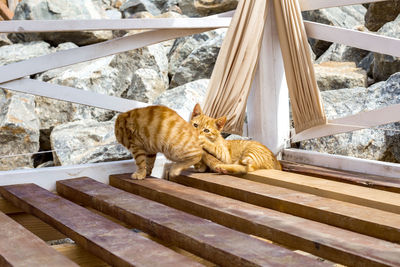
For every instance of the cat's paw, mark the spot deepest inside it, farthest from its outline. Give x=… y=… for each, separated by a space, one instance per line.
x=200 y=167
x=138 y=175
x=220 y=169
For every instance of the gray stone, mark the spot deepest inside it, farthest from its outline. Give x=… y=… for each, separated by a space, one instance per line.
x=337 y=75
x=343 y=53
x=386 y=65
x=210 y=7
x=146 y=86
x=57 y=10
x=18 y=52
x=377 y=143
x=378 y=14
x=86 y=141
x=19 y=130
x=349 y=17
x=200 y=63
x=4 y=39
x=184 y=46
x=185 y=97
x=130 y=7
x=188 y=8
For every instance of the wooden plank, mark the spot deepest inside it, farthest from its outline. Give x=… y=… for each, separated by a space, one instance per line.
x=7 y=207
x=364 y=220
x=220 y=245
x=107 y=240
x=367 y=180
x=323 y=240
x=345 y=163
x=19 y=247
x=77 y=254
x=85 y=53
x=359 y=195
x=5 y=12
x=363 y=40
x=318 y=4
x=21 y=26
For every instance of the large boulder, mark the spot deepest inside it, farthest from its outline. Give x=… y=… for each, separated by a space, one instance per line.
x=86 y=141
x=18 y=52
x=130 y=7
x=350 y=17
x=4 y=39
x=200 y=63
x=378 y=14
x=336 y=75
x=19 y=130
x=377 y=143
x=386 y=65
x=183 y=98
x=188 y=8
x=58 y=10
x=343 y=53
x=209 y=7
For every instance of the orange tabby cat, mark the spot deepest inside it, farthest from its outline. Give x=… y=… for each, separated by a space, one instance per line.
x=236 y=156
x=146 y=131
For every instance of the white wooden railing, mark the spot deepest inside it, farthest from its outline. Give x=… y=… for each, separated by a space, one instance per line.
x=269 y=89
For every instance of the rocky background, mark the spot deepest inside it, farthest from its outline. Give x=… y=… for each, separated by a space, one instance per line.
x=176 y=73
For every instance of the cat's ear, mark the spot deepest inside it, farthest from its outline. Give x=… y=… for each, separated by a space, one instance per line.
x=196 y=111
x=220 y=123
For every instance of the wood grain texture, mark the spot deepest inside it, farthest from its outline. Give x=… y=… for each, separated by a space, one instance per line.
x=107 y=240
x=206 y=239
x=373 y=198
x=326 y=241
x=364 y=220
x=77 y=254
x=20 y=247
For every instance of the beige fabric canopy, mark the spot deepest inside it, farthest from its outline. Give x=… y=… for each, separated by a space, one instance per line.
x=235 y=68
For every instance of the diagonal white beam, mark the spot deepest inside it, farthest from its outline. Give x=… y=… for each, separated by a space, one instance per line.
x=317 y=4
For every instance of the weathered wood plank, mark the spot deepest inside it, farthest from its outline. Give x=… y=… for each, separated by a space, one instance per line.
x=19 y=247
x=79 y=255
x=206 y=239
x=107 y=240
x=367 y=180
x=356 y=218
x=323 y=240
x=359 y=195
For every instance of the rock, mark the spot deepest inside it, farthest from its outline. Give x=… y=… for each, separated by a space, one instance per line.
x=183 y=98
x=4 y=40
x=146 y=86
x=57 y=10
x=342 y=53
x=184 y=46
x=337 y=75
x=377 y=143
x=18 y=52
x=386 y=65
x=349 y=17
x=200 y=63
x=86 y=141
x=210 y=7
x=188 y=8
x=19 y=130
x=131 y=7
x=378 y=14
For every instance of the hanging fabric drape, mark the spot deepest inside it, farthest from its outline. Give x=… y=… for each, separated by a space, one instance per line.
x=235 y=68
x=307 y=108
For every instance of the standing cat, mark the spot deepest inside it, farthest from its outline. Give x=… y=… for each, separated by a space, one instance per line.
x=146 y=131
x=231 y=156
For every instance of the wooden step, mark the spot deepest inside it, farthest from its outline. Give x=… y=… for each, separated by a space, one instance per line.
x=20 y=247
x=367 y=180
x=374 y=198
x=326 y=241
x=380 y=224
x=109 y=241
x=206 y=239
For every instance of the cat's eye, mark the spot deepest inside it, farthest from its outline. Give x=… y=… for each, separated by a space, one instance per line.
x=206 y=130
x=195 y=125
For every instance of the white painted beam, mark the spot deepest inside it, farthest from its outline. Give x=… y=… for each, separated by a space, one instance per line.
x=318 y=4
x=345 y=163
x=363 y=40
x=268 y=104
x=20 y=26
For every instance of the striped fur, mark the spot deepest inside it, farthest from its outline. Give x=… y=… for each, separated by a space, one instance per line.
x=231 y=156
x=147 y=131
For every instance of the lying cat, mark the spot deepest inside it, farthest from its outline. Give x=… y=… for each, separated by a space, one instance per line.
x=146 y=131
x=231 y=156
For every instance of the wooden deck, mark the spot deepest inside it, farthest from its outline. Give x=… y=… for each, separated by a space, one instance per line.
x=306 y=217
